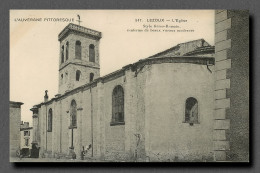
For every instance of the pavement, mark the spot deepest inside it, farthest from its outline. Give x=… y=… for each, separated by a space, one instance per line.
x=52 y=160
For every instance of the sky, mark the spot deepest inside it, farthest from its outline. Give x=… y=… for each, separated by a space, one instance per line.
x=34 y=45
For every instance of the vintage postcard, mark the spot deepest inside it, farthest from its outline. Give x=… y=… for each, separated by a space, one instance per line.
x=129 y=86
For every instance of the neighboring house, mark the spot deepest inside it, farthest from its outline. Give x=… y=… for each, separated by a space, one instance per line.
x=15 y=120
x=26 y=139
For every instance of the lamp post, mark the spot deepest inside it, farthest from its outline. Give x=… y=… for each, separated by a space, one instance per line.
x=72 y=154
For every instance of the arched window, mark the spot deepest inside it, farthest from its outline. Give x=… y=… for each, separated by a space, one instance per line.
x=73 y=114
x=49 y=121
x=62 y=54
x=191 y=111
x=61 y=78
x=117 y=105
x=67 y=50
x=78 y=50
x=91 y=53
x=91 y=77
x=78 y=73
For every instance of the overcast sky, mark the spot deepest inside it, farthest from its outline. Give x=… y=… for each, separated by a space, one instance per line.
x=34 y=46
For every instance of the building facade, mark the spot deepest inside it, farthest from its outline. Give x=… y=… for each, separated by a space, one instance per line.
x=26 y=133
x=231 y=126
x=122 y=116
x=15 y=120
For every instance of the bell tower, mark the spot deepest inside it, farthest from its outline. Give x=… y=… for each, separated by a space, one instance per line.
x=79 y=57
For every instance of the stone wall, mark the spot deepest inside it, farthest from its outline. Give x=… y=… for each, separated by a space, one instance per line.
x=231 y=125
x=70 y=82
x=59 y=139
x=114 y=135
x=167 y=136
x=15 y=121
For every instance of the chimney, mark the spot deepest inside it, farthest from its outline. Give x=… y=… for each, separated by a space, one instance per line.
x=46 y=96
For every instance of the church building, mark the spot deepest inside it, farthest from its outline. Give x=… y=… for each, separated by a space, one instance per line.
x=161 y=108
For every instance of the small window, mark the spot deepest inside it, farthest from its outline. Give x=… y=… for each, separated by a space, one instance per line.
x=66 y=77
x=26 y=133
x=91 y=53
x=117 y=106
x=78 y=50
x=191 y=111
x=27 y=142
x=62 y=54
x=91 y=77
x=61 y=78
x=78 y=73
x=49 y=121
x=67 y=50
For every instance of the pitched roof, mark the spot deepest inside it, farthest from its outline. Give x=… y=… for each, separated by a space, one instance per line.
x=185 y=49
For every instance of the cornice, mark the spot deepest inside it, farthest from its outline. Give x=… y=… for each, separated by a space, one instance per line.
x=79 y=30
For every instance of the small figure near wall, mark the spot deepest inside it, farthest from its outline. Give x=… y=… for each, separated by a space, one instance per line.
x=84 y=152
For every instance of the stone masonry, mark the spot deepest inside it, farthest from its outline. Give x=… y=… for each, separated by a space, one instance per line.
x=231 y=126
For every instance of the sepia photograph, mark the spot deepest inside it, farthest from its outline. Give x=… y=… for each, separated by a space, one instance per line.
x=129 y=86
